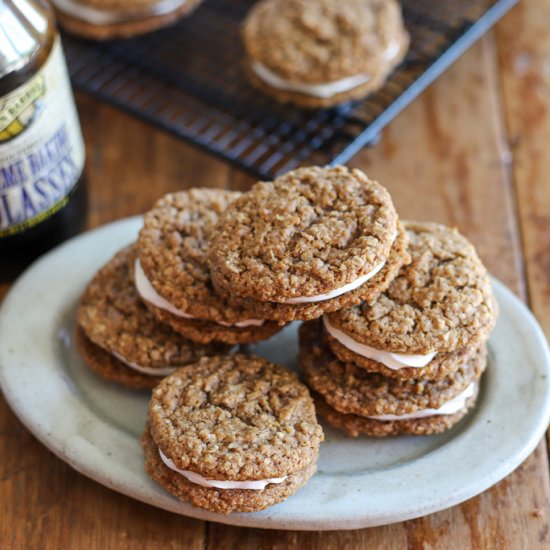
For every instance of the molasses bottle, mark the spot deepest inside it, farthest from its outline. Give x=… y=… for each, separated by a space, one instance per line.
x=42 y=188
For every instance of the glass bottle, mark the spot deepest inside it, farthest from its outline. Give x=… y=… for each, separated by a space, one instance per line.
x=42 y=154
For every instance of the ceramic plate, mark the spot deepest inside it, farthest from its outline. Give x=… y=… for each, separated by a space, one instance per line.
x=95 y=426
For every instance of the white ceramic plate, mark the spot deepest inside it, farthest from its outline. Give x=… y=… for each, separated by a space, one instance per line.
x=95 y=426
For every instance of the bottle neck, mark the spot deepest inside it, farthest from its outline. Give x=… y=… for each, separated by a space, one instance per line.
x=27 y=34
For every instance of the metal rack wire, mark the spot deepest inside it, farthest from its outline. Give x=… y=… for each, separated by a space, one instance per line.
x=189 y=80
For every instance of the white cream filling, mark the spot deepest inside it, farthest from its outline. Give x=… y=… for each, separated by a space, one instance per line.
x=451 y=407
x=256 y=485
x=337 y=291
x=394 y=361
x=99 y=17
x=164 y=371
x=322 y=89
x=392 y=50
x=149 y=294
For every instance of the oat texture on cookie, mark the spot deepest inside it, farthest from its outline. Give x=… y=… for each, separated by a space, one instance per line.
x=409 y=361
x=112 y=317
x=172 y=258
x=441 y=301
x=231 y=434
x=235 y=418
x=309 y=232
x=350 y=389
x=319 y=54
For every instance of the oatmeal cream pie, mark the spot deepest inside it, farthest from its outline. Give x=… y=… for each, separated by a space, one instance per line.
x=233 y=434
x=319 y=54
x=172 y=275
x=312 y=241
x=361 y=402
x=429 y=320
x=107 y=19
x=120 y=339
x=426 y=422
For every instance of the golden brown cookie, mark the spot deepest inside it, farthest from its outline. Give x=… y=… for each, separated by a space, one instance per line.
x=109 y=367
x=440 y=302
x=355 y=425
x=352 y=390
x=370 y=290
x=322 y=53
x=221 y=501
x=233 y=434
x=311 y=235
x=120 y=339
x=439 y=367
x=173 y=278
x=109 y=19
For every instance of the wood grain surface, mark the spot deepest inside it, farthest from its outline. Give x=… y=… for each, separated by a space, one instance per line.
x=471 y=152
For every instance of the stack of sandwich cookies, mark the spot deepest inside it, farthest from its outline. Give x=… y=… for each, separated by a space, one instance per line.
x=107 y=19
x=362 y=402
x=172 y=275
x=233 y=434
x=313 y=241
x=120 y=339
x=323 y=53
x=428 y=328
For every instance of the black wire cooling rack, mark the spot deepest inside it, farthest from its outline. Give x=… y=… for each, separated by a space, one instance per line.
x=189 y=80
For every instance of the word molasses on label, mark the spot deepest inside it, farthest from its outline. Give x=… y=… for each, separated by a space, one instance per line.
x=34 y=183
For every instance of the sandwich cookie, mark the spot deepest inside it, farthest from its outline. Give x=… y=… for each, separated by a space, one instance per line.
x=108 y=19
x=438 y=421
x=310 y=242
x=323 y=53
x=120 y=339
x=172 y=275
x=361 y=402
x=233 y=434
x=431 y=318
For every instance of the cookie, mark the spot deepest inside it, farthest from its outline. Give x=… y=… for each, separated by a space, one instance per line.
x=221 y=501
x=172 y=274
x=439 y=303
x=109 y=367
x=368 y=291
x=440 y=366
x=355 y=425
x=109 y=19
x=352 y=390
x=323 y=53
x=120 y=339
x=233 y=434
x=311 y=235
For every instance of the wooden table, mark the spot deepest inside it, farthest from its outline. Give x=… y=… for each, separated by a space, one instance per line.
x=473 y=151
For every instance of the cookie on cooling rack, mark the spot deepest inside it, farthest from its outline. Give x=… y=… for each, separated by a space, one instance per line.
x=108 y=19
x=322 y=53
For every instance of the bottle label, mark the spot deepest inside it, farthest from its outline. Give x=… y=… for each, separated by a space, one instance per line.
x=41 y=148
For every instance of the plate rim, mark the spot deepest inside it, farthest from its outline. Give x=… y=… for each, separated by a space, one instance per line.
x=263 y=519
